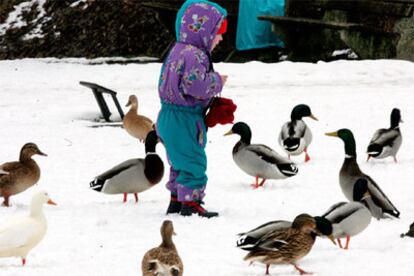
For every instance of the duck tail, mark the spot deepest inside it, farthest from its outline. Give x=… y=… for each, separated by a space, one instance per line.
x=97 y=184
x=374 y=150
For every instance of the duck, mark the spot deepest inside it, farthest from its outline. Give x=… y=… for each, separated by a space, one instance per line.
x=163 y=260
x=350 y=173
x=20 y=175
x=136 y=125
x=134 y=175
x=387 y=141
x=19 y=235
x=351 y=218
x=295 y=136
x=289 y=245
x=259 y=160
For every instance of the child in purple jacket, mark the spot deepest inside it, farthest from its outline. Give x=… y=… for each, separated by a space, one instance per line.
x=187 y=85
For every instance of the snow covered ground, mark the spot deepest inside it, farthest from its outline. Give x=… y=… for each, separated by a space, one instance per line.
x=90 y=233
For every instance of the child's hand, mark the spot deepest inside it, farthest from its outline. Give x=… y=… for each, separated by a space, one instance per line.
x=223 y=79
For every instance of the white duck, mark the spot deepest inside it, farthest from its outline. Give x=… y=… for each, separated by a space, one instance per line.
x=19 y=235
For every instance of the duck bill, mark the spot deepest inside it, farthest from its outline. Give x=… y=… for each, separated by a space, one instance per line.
x=313 y=117
x=401 y=121
x=51 y=202
x=128 y=104
x=333 y=134
x=230 y=132
x=332 y=239
x=175 y=234
x=41 y=153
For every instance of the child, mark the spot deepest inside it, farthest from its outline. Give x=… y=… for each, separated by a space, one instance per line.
x=187 y=85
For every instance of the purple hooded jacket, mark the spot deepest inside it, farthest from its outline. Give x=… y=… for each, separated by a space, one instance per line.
x=187 y=77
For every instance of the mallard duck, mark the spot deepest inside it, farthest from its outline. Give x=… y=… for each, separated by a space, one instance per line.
x=259 y=160
x=134 y=175
x=164 y=259
x=20 y=175
x=295 y=136
x=19 y=235
x=386 y=142
x=289 y=245
x=350 y=173
x=136 y=125
x=351 y=218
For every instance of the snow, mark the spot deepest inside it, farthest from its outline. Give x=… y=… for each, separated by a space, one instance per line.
x=96 y=234
x=16 y=20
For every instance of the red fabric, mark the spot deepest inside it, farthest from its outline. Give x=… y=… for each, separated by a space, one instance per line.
x=221 y=112
x=223 y=27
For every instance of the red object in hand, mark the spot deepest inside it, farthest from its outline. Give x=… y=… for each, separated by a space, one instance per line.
x=221 y=112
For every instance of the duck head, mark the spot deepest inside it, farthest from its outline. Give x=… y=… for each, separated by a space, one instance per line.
x=30 y=149
x=300 y=111
x=324 y=228
x=395 y=118
x=133 y=101
x=243 y=130
x=167 y=231
x=345 y=135
x=39 y=198
x=151 y=141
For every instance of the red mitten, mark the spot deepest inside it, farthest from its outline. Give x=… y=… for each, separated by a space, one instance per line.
x=221 y=112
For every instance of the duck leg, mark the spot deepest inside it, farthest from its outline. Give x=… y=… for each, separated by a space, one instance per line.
x=395 y=159
x=136 y=197
x=339 y=242
x=125 y=197
x=256 y=184
x=23 y=261
x=267 y=269
x=368 y=158
x=262 y=182
x=307 y=157
x=301 y=271
x=348 y=238
x=6 y=200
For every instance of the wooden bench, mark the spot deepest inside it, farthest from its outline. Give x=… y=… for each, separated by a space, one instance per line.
x=313 y=29
x=98 y=92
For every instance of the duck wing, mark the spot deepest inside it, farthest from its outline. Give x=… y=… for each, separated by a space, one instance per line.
x=380 y=199
x=119 y=168
x=248 y=240
x=340 y=211
x=274 y=241
x=11 y=168
x=385 y=137
x=267 y=154
x=16 y=233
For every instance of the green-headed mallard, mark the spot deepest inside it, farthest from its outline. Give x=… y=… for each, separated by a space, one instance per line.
x=136 y=125
x=350 y=173
x=259 y=160
x=295 y=136
x=134 y=175
x=164 y=259
x=351 y=218
x=289 y=245
x=386 y=141
x=20 y=175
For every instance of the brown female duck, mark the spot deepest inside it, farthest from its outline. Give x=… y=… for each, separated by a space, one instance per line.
x=164 y=259
x=136 y=125
x=289 y=245
x=20 y=175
